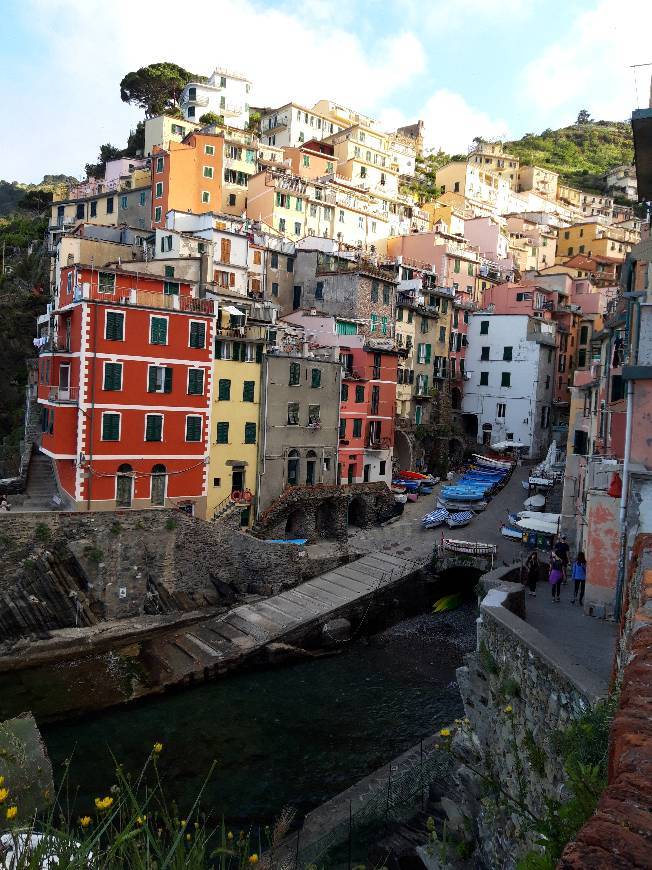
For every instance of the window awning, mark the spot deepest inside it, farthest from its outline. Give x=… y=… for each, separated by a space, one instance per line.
x=231 y=309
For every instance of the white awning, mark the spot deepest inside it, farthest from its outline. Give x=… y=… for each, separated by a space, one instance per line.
x=231 y=309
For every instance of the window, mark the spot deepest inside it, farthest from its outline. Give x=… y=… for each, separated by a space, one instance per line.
x=289 y=265
x=193 y=428
x=274 y=260
x=506 y=379
x=195 y=382
x=295 y=374
x=159 y=164
x=153 y=427
x=158 y=193
x=584 y=334
x=341 y=217
x=580 y=442
x=344 y=393
x=222 y=436
x=93 y=209
x=319 y=290
x=250 y=433
x=316 y=379
x=484 y=379
x=507 y=354
x=500 y=409
x=112 y=376
x=581 y=358
x=442 y=333
x=205 y=196
x=207 y=171
x=159 y=379
x=197 y=336
x=386 y=293
x=123 y=201
x=314 y=415
x=469 y=268
x=191 y=111
x=158 y=330
x=484 y=327
x=545 y=414
x=357 y=428
x=106 y=282
x=484 y=353
x=209 y=149
x=374 y=291
x=570 y=251
x=232 y=199
x=274 y=288
x=297 y=228
x=342 y=432
x=224 y=390
x=110 y=427
x=170 y=288
x=248 y=391
x=457 y=265
x=293 y=413
x=157 y=214
x=109 y=205
x=359 y=393
x=114 y=326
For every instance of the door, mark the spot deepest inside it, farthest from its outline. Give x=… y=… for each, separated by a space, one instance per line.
x=158 y=485
x=237 y=479
x=367 y=473
x=310 y=472
x=64 y=382
x=123 y=490
x=350 y=474
x=296 y=297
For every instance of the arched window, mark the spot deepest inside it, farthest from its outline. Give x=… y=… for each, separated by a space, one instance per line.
x=124 y=486
x=311 y=467
x=159 y=480
x=293 y=468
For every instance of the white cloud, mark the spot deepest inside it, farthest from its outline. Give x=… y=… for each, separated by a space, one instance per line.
x=89 y=46
x=588 y=67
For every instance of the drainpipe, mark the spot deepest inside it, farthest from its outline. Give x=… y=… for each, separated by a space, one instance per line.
x=263 y=422
x=623 y=500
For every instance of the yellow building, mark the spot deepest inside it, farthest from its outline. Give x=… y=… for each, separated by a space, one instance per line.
x=593 y=238
x=569 y=195
x=539 y=180
x=491 y=156
x=162 y=130
x=235 y=411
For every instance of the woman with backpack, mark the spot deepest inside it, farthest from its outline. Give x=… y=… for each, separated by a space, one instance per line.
x=578 y=576
x=556 y=576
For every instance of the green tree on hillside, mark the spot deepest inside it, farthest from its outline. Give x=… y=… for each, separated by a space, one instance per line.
x=36 y=200
x=156 y=88
x=136 y=141
x=583 y=117
x=423 y=184
x=210 y=119
x=107 y=152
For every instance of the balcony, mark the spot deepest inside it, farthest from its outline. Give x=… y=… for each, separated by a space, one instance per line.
x=145 y=298
x=64 y=395
x=377 y=443
x=197 y=101
x=252 y=333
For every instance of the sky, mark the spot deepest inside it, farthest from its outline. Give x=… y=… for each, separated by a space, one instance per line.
x=465 y=67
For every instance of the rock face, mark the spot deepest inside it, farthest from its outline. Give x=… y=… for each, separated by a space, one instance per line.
x=619 y=834
x=73 y=569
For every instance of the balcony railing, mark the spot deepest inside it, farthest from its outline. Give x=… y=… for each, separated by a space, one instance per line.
x=377 y=443
x=64 y=395
x=146 y=298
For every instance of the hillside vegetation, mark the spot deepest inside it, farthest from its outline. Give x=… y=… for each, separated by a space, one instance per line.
x=14 y=197
x=581 y=153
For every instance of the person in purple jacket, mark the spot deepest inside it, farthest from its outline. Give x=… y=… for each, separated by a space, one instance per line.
x=556 y=576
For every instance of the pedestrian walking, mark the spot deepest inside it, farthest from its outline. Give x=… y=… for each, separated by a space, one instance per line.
x=556 y=577
x=562 y=551
x=532 y=572
x=579 y=577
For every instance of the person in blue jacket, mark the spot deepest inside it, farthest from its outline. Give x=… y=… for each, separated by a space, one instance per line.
x=579 y=577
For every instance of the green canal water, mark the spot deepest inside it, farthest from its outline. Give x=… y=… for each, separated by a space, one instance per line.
x=294 y=735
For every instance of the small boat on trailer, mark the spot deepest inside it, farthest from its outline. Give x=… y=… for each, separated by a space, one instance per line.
x=468 y=548
x=488 y=462
x=456 y=521
x=535 y=502
x=460 y=505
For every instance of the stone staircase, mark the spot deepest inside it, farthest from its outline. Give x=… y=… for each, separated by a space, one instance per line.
x=41 y=486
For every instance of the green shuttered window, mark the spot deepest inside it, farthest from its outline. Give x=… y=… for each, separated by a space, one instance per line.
x=248 y=391
x=115 y=326
x=197 y=334
x=224 y=390
x=112 y=376
x=158 y=330
x=316 y=378
x=193 y=428
x=110 y=427
x=222 y=433
x=195 y=382
x=154 y=427
x=250 y=433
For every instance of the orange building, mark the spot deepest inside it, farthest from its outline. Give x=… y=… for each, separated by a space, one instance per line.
x=206 y=172
x=125 y=378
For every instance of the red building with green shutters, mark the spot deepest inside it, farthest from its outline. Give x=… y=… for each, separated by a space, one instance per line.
x=125 y=382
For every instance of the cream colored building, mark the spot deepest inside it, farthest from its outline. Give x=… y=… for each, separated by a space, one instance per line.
x=163 y=129
x=363 y=157
x=541 y=181
x=492 y=156
x=483 y=190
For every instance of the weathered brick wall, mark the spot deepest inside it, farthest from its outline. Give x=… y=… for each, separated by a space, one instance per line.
x=619 y=834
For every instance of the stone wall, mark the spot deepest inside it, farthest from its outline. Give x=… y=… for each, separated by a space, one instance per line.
x=619 y=834
x=69 y=568
x=17 y=484
x=518 y=690
x=323 y=511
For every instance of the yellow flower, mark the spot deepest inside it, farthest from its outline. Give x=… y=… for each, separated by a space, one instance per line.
x=140 y=820
x=508 y=708
x=253 y=859
x=188 y=836
x=85 y=821
x=4 y=794
x=103 y=803
x=183 y=823
x=229 y=836
x=158 y=748
x=445 y=732
x=12 y=812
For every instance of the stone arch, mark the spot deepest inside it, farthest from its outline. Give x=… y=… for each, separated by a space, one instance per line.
x=357 y=513
x=402 y=450
x=325 y=518
x=456 y=398
x=295 y=523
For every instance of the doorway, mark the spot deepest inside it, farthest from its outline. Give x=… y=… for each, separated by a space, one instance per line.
x=158 y=485
x=64 y=381
x=237 y=478
x=124 y=486
x=296 y=297
x=366 y=472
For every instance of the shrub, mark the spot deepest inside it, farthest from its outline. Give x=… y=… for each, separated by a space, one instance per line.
x=170 y=524
x=42 y=533
x=116 y=527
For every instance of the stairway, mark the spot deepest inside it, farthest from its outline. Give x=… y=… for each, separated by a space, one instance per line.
x=41 y=486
